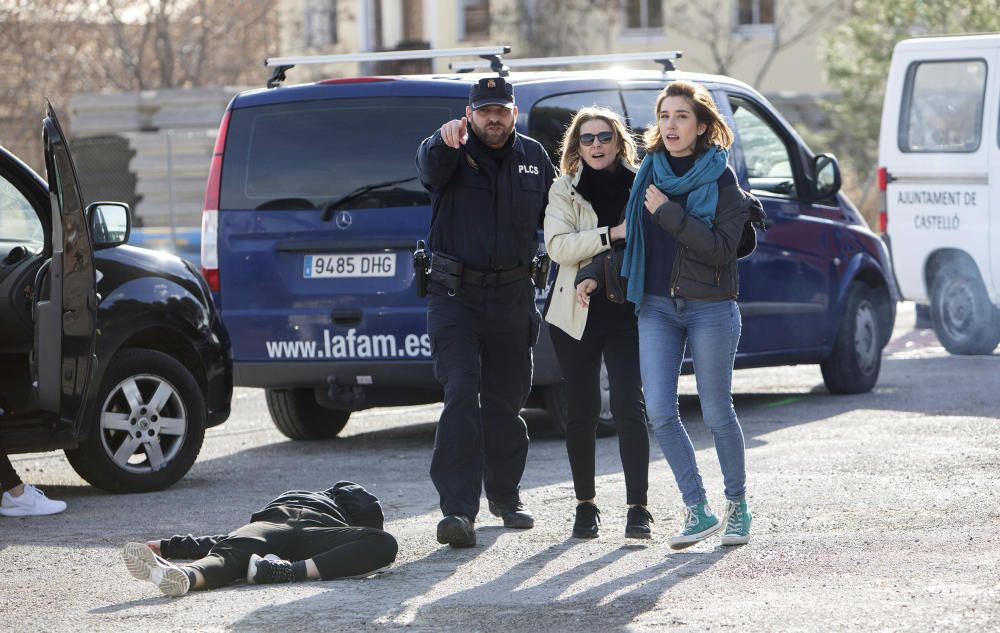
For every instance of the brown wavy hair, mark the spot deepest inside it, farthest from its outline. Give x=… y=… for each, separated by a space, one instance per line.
x=717 y=132
x=570 y=146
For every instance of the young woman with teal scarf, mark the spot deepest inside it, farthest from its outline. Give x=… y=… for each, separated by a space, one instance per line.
x=684 y=221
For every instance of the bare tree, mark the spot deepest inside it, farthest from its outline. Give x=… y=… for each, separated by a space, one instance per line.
x=57 y=48
x=35 y=67
x=568 y=27
x=184 y=43
x=714 y=21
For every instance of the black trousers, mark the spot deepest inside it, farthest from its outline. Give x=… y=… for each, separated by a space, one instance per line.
x=481 y=342
x=8 y=476
x=612 y=332
x=297 y=534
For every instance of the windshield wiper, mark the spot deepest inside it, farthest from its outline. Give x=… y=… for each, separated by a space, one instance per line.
x=332 y=206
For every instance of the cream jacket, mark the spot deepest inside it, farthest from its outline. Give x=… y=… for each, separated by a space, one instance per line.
x=572 y=238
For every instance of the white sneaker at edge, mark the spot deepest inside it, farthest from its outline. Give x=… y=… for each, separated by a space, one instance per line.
x=32 y=502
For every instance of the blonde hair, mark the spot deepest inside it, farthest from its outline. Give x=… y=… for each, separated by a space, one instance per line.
x=570 y=147
x=717 y=132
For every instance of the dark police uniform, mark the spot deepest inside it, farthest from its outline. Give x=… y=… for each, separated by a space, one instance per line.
x=486 y=215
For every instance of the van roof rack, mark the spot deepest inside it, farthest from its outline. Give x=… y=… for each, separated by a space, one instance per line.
x=282 y=64
x=665 y=58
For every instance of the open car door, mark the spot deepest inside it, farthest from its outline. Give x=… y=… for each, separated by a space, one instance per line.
x=66 y=311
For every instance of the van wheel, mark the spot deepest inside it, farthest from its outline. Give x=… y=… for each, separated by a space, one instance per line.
x=964 y=319
x=149 y=428
x=557 y=404
x=854 y=364
x=298 y=416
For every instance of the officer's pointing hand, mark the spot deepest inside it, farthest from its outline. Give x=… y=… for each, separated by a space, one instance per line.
x=455 y=132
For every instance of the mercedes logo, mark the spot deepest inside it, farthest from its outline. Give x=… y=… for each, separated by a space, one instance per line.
x=343 y=220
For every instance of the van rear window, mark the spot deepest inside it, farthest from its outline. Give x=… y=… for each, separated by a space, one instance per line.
x=943 y=106
x=303 y=155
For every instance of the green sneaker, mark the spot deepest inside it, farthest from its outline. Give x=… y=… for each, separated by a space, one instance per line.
x=699 y=524
x=737 y=523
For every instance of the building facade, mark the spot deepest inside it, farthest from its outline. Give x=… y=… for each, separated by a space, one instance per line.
x=773 y=45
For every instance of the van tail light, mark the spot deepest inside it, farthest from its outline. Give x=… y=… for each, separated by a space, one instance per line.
x=210 y=248
x=883 y=211
x=210 y=216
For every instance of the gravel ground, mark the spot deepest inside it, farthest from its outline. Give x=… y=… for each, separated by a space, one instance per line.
x=872 y=512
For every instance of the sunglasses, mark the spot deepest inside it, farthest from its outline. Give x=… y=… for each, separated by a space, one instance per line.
x=588 y=139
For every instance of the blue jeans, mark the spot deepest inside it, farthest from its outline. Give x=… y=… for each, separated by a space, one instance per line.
x=712 y=328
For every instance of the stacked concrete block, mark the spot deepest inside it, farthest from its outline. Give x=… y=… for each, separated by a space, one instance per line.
x=172 y=133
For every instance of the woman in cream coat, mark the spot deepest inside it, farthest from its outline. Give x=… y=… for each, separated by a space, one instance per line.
x=583 y=218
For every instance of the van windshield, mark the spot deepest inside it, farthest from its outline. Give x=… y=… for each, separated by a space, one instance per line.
x=298 y=156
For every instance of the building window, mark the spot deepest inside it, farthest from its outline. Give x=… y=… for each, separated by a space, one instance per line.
x=754 y=13
x=319 y=23
x=643 y=14
x=474 y=19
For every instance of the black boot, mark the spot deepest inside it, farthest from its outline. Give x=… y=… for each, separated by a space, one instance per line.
x=587 y=518
x=456 y=530
x=514 y=515
x=637 y=523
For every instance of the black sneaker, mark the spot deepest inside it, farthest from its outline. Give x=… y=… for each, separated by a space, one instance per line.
x=514 y=515
x=587 y=518
x=456 y=530
x=637 y=523
x=268 y=570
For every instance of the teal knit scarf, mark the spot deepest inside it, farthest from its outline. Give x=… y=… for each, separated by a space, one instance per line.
x=703 y=196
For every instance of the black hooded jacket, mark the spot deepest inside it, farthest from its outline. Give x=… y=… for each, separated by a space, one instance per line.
x=346 y=503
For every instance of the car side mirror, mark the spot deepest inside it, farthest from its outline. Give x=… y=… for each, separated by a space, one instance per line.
x=826 y=176
x=110 y=224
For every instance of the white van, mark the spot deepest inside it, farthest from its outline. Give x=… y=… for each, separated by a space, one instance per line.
x=939 y=175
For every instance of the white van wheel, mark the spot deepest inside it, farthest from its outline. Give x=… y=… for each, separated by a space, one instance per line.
x=964 y=320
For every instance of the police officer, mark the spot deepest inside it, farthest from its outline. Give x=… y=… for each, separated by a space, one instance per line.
x=489 y=187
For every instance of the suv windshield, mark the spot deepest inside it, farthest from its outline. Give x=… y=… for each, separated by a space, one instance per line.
x=306 y=155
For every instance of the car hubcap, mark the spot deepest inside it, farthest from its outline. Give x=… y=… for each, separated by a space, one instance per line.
x=143 y=423
x=957 y=308
x=865 y=337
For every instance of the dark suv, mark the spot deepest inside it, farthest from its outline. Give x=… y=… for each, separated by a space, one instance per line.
x=313 y=208
x=112 y=353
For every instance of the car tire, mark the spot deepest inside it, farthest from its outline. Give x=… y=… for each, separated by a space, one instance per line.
x=856 y=359
x=964 y=319
x=147 y=425
x=557 y=404
x=297 y=414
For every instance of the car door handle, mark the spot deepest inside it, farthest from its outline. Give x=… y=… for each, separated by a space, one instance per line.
x=346 y=317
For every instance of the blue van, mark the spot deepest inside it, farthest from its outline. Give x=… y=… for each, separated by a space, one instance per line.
x=313 y=209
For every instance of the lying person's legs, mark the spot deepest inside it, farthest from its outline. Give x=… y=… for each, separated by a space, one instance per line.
x=326 y=553
x=225 y=562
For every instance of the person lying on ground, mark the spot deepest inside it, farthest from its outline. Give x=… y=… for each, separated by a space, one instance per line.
x=299 y=536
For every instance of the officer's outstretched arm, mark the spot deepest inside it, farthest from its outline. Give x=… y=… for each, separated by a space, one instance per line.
x=436 y=162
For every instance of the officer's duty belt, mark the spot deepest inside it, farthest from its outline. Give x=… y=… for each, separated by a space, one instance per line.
x=487 y=278
x=498 y=278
